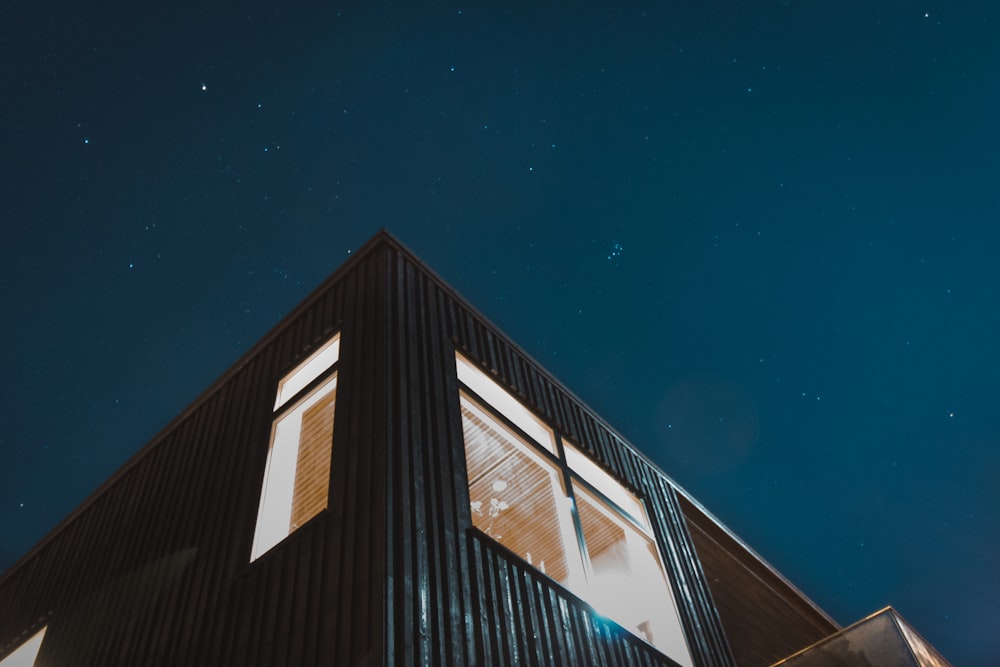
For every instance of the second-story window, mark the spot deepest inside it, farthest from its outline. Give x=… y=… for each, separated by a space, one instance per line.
x=542 y=498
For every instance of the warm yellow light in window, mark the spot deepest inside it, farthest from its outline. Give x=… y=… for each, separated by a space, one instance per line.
x=297 y=473
x=605 y=483
x=517 y=497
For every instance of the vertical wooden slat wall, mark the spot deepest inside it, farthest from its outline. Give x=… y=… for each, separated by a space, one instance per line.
x=154 y=568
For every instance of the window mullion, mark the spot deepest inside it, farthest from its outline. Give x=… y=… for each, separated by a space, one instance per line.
x=291 y=402
x=588 y=569
x=620 y=511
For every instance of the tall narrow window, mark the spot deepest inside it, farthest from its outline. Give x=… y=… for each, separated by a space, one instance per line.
x=542 y=498
x=25 y=654
x=297 y=473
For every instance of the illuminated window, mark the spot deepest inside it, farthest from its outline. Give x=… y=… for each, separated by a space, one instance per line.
x=25 y=654
x=297 y=473
x=543 y=499
x=518 y=497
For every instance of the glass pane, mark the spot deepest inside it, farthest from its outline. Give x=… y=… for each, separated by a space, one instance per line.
x=310 y=369
x=627 y=580
x=297 y=474
x=605 y=483
x=517 y=497
x=505 y=403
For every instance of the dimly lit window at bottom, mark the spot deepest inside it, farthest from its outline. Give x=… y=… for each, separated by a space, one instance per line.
x=25 y=654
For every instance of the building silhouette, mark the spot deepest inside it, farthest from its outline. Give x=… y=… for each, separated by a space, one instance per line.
x=387 y=479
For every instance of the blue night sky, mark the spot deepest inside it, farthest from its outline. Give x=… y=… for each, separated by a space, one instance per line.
x=759 y=238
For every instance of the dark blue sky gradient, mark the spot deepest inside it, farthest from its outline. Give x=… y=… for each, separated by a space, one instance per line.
x=760 y=238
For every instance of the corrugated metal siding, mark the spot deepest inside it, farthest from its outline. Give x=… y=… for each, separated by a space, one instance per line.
x=429 y=588
x=764 y=617
x=524 y=619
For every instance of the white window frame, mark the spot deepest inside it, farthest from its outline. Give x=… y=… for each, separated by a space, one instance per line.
x=310 y=381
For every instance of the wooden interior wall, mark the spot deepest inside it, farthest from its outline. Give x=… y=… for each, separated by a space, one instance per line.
x=765 y=618
x=153 y=568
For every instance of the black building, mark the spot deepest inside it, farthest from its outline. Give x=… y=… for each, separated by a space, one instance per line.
x=386 y=479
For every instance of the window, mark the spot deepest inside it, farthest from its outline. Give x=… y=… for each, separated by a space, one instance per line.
x=25 y=654
x=297 y=473
x=542 y=498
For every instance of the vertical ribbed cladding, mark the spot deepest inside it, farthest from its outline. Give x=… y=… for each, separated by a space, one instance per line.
x=217 y=469
x=705 y=636
x=765 y=618
x=428 y=583
x=172 y=547
x=707 y=641
x=235 y=466
x=351 y=630
x=523 y=618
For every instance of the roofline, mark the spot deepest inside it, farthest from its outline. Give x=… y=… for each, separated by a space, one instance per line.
x=381 y=238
